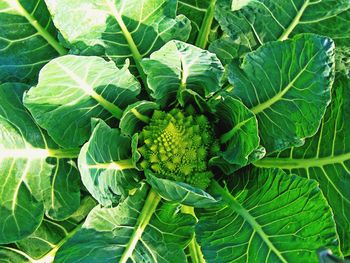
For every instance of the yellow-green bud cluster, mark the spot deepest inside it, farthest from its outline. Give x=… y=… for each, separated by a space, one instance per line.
x=176 y=147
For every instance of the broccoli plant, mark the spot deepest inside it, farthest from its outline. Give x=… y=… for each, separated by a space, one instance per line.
x=174 y=131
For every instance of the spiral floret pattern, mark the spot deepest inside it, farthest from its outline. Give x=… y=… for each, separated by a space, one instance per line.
x=177 y=147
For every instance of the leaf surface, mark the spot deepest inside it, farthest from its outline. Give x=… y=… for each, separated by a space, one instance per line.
x=238 y=132
x=180 y=192
x=266 y=216
x=8 y=253
x=27 y=40
x=287 y=85
x=252 y=23
x=108 y=232
x=326 y=158
x=196 y=11
x=74 y=89
x=42 y=245
x=124 y=29
x=201 y=14
x=178 y=67
x=136 y=116
x=35 y=176
x=106 y=167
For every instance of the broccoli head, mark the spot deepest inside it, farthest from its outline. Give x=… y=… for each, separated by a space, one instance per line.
x=177 y=147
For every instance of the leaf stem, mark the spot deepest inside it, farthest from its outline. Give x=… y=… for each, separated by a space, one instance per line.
x=239 y=209
x=42 y=31
x=132 y=46
x=203 y=35
x=140 y=116
x=194 y=248
x=295 y=21
x=64 y=153
x=228 y=135
x=295 y=163
x=147 y=211
x=113 y=109
x=116 y=165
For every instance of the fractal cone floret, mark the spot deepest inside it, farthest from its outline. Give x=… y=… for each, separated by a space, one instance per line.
x=177 y=147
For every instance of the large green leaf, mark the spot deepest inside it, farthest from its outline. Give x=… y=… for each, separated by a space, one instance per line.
x=287 y=85
x=266 y=216
x=42 y=245
x=238 y=132
x=74 y=89
x=326 y=158
x=105 y=164
x=27 y=39
x=252 y=23
x=34 y=175
x=135 y=231
x=178 y=67
x=119 y=29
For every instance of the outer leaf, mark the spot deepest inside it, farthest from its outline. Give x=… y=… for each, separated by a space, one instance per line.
x=124 y=29
x=266 y=216
x=136 y=116
x=287 y=86
x=107 y=232
x=106 y=167
x=252 y=23
x=72 y=90
x=180 y=192
x=326 y=158
x=178 y=66
x=34 y=177
x=42 y=245
x=238 y=131
x=27 y=39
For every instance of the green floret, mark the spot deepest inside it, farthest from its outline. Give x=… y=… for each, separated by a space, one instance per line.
x=177 y=147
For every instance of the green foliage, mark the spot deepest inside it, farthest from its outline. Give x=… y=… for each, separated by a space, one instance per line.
x=36 y=176
x=107 y=232
x=174 y=131
x=325 y=157
x=251 y=24
x=238 y=132
x=179 y=67
x=98 y=89
x=105 y=164
x=287 y=74
x=265 y=221
x=28 y=40
x=180 y=192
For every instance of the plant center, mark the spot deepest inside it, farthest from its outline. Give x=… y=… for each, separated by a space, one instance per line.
x=177 y=147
